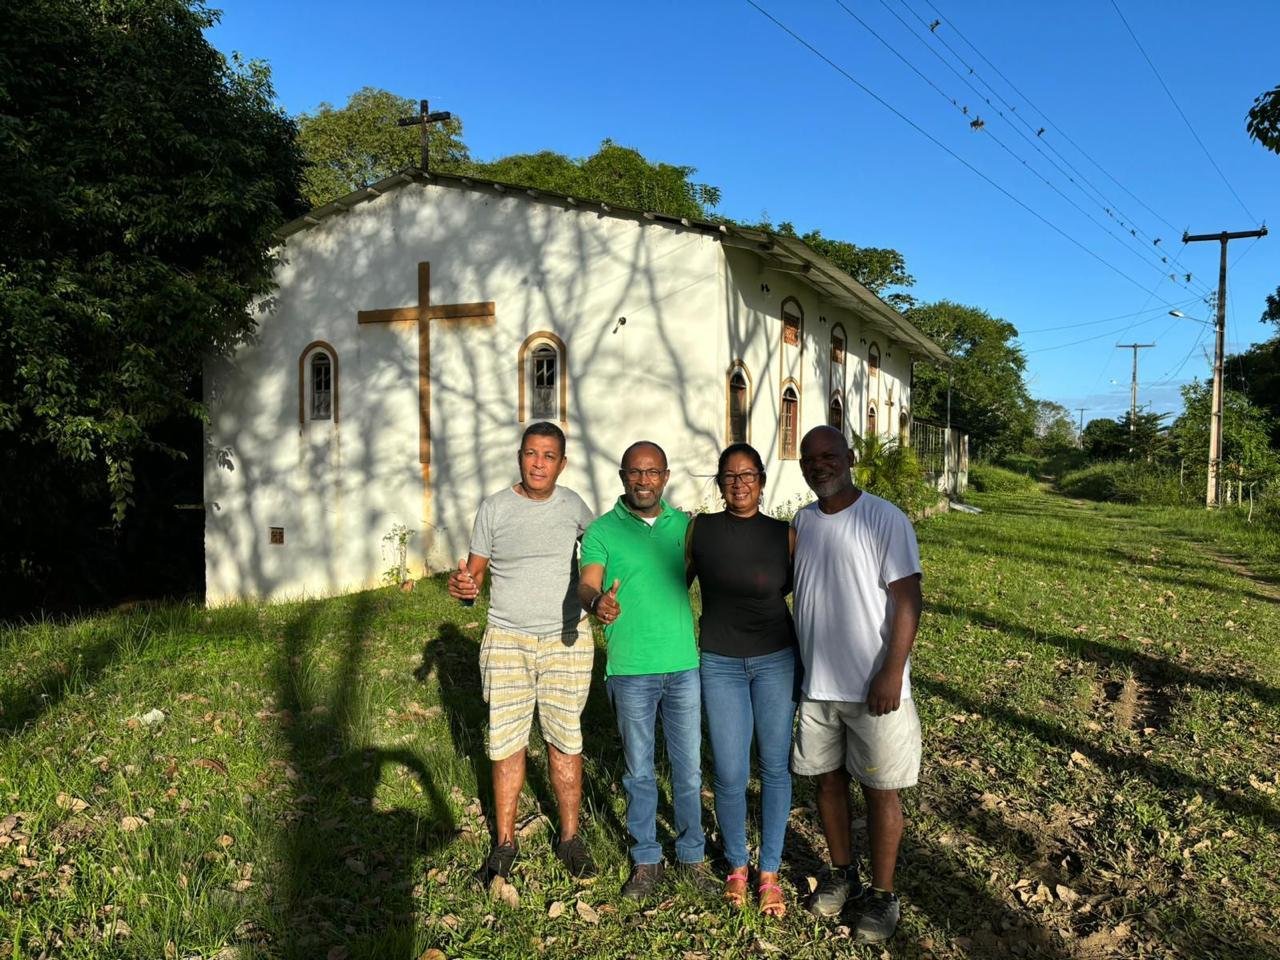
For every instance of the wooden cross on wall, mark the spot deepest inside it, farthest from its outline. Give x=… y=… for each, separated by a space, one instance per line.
x=454 y=314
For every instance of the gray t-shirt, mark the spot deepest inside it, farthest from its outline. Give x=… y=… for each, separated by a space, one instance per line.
x=532 y=568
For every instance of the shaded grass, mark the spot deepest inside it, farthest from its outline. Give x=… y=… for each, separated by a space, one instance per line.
x=1100 y=703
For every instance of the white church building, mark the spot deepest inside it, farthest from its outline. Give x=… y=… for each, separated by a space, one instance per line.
x=421 y=323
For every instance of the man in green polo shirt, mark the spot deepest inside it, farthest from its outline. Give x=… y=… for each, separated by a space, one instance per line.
x=638 y=549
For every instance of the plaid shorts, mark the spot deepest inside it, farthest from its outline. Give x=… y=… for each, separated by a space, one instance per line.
x=552 y=672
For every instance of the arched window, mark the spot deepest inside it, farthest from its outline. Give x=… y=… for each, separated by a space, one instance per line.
x=318 y=383
x=837 y=345
x=543 y=390
x=789 y=425
x=871 y=420
x=739 y=405
x=792 y=322
x=904 y=427
x=873 y=361
x=835 y=412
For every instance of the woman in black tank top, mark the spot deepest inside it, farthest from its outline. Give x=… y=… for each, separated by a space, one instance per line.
x=742 y=560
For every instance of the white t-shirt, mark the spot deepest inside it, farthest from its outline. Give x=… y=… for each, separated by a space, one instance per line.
x=844 y=563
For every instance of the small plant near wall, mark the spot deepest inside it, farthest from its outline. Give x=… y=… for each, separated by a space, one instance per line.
x=395 y=546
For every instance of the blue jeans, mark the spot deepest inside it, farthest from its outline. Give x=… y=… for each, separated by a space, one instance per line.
x=638 y=701
x=745 y=694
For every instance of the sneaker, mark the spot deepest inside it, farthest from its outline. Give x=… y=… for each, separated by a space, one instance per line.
x=576 y=858
x=836 y=887
x=700 y=876
x=644 y=879
x=498 y=864
x=879 y=918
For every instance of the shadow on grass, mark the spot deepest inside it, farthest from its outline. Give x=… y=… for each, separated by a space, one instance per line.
x=347 y=862
x=1117 y=764
x=454 y=659
x=1105 y=654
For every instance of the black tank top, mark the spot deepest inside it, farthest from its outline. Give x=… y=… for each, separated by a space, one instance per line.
x=744 y=569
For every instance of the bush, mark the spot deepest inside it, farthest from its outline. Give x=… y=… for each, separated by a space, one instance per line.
x=1124 y=482
x=890 y=470
x=986 y=478
x=1023 y=463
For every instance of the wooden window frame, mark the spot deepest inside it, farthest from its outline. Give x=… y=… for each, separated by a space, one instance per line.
x=837 y=333
x=873 y=361
x=304 y=374
x=737 y=368
x=524 y=375
x=837 y=400
x=798 y=316
x=873 y=421
x=785 y=453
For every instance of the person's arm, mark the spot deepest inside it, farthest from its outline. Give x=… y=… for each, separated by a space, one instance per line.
x=466 y=581
x=594 y=599
x=690 y=572
x=885 y=693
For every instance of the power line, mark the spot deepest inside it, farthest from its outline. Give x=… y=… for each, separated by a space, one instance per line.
x=1094 y=323
x=1044 y=116
x=1101 y=336
x=978 y=124
x=955 y=156
x=1036 y=138
x=1169 y=92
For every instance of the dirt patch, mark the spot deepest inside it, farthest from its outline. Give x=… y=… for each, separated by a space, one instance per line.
x=1265 y=587
x=1139 y=703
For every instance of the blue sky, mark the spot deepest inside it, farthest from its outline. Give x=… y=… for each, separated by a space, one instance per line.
x=719 y=86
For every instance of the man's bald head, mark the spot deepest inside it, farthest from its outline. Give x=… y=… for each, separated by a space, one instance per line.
x=825 y=435
x=826 y=462
x=646 y=445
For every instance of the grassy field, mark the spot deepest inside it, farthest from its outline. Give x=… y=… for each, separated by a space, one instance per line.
x=1100 y=692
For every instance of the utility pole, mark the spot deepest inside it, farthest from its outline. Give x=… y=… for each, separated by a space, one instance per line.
x=421 y=121
x=1081 y=430
x=1220 y=330
x=1133 y=385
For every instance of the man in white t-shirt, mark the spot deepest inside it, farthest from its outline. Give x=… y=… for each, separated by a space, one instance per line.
x=857 y=607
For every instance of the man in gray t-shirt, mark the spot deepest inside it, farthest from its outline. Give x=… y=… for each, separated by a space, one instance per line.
x=537 y=650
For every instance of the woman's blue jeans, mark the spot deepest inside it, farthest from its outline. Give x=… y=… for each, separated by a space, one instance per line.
x=743 y=695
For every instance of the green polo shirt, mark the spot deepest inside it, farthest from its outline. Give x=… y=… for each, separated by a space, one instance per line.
x=654 y=634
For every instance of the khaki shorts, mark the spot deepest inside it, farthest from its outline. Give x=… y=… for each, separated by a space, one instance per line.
x=552 y=672
x=882 y=753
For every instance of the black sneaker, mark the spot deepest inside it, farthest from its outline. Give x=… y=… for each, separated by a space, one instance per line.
x=498 y=864
x=699 y=876
x=879 y=918
x=644 y=879
x=576 y=858
x=836 y=887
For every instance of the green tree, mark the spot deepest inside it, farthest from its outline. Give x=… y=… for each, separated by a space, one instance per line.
x=1263 y=122
x=1247 y=453
x=1105 y=439
x=353 y=146
x=142 y=175
x=1256 y=373
x=989 y=398
x=614 y=174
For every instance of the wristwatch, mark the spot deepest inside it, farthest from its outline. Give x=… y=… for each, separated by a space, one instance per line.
x=594 y=602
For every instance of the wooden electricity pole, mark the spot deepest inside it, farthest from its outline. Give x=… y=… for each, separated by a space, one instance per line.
x=1220 y=328
x=1133 y=386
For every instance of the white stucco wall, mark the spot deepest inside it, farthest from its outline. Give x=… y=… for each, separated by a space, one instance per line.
x=692 y=308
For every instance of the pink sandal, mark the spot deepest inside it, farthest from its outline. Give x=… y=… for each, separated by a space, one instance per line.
x=735 y=886
x=772 y=903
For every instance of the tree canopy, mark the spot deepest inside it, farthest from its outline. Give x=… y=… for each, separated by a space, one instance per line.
x=142 y=175
x=988 y=397
x=614 y=174
x=350 y=147
x=1246 y=433
x=1263 y=122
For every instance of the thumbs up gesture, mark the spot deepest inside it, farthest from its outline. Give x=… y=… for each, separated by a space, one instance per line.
x=462 y=586
x=607 y=609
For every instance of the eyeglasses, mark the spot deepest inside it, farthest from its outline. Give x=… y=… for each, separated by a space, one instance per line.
x=652 y=473
x=749 y=477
